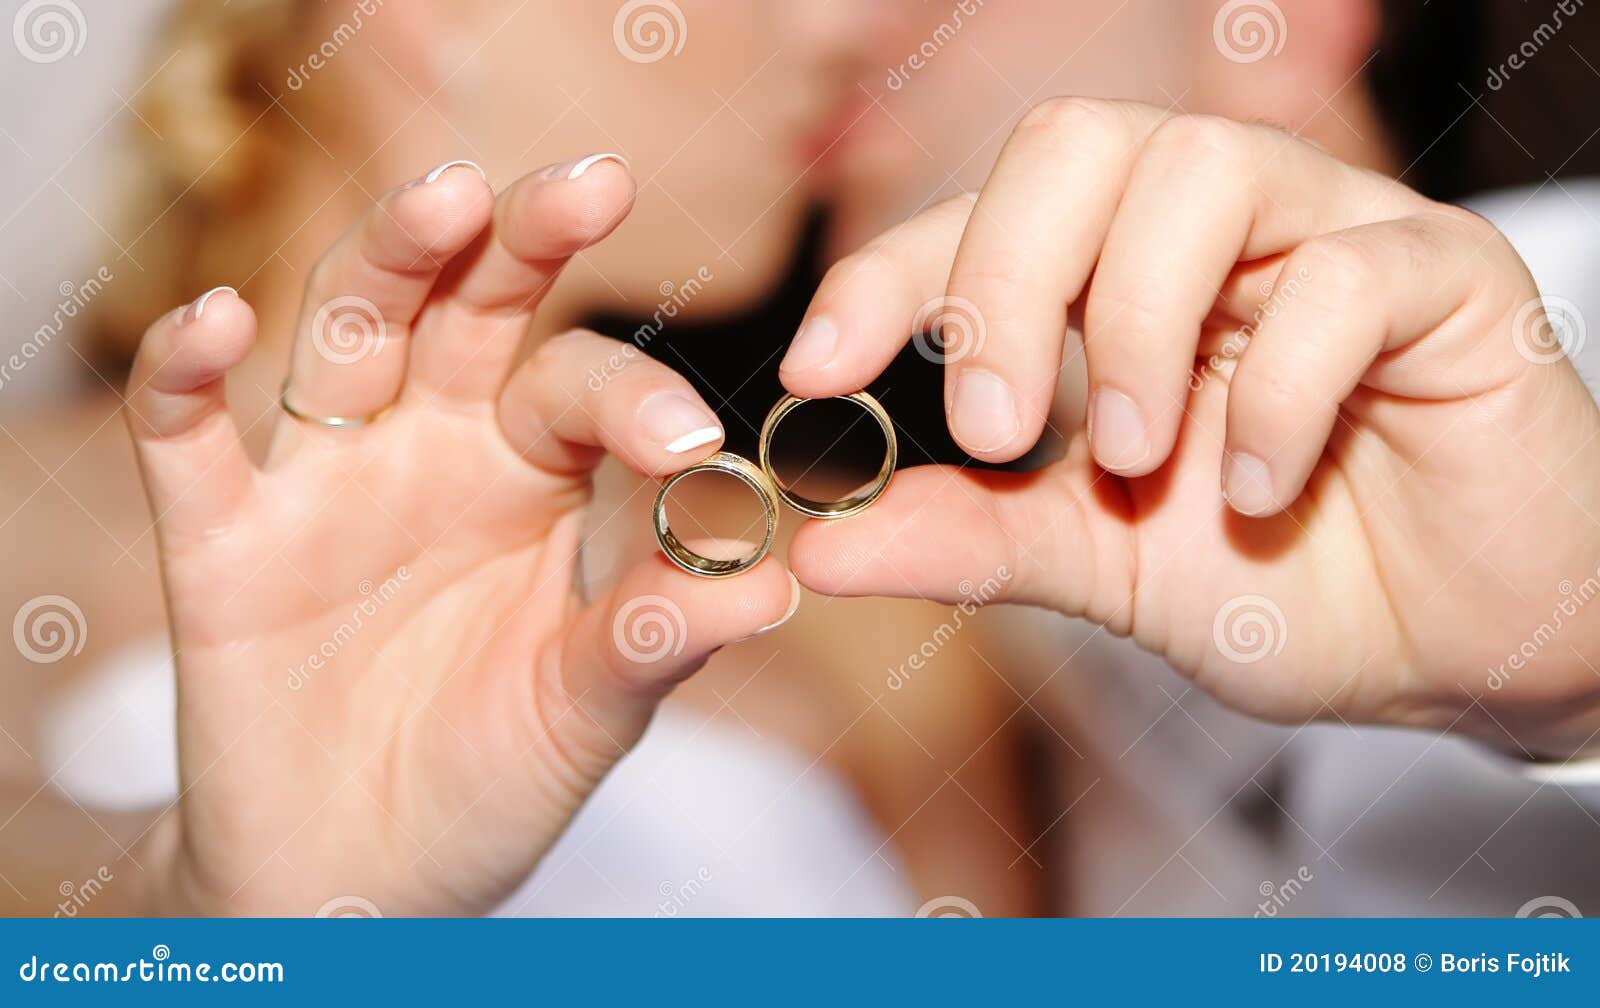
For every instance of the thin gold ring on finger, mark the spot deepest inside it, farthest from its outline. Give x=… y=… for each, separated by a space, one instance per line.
x=346 y=422
x=855 y=502
x=750 y=475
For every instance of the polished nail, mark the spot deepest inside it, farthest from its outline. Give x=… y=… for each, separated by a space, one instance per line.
x=677 y=422
x=983 y=411
x=433 y=176
x=570 y=170
x=813 y=346
x=794 y=605
x=1117 y=432
x=1247 y=483
x=199 y=304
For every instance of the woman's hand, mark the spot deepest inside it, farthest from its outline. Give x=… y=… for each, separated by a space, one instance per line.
x=1363 y=374
x=388 y=686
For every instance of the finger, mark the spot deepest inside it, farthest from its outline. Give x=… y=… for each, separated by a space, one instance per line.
x=195 y=469
x=364 y=293
x=953 y=535
x=1358 y=293
x=581 y=395
x=654 y=629
x=1034 y=238
x=1205 y=194
x=871 y=301
x=469 y=337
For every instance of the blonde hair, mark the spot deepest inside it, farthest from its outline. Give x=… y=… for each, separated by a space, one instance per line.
x=202 y=146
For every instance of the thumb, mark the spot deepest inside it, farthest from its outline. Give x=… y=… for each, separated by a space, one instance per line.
x=955 y=535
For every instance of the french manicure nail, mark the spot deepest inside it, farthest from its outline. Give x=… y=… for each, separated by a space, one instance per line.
x=199 y=304
x=433 y=176
x=794 y=605
x=1247 y=483
x=677 y=422
x=570 y=170
x=1116 y=431
x=983 y=410
x=812 y=346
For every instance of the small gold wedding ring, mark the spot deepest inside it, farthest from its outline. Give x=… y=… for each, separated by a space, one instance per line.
x=855 y=502
x=745 y=472
x=323 y=421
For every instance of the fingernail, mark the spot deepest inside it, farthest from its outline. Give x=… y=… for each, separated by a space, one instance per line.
x=984 y=411
x=812 y=346
x=794 y=605
x=570 y=170
x=677 y=422
x=1247 y=483
x=199 y=304
x=1116 y=431
x=433 y=176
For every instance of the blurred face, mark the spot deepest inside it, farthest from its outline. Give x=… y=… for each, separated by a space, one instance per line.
x=726 y=112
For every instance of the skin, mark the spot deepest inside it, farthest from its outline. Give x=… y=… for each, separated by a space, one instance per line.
x=464 y=759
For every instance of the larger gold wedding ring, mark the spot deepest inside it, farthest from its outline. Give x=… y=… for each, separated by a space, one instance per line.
x=855 y=502
x=745 y=472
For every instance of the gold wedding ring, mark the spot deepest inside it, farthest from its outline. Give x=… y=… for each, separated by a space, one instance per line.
x=323 y=421
x=745 y=472
x=855 y=502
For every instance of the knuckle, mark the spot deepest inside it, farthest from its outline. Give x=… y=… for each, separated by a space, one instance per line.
x=1197 y=139
x=1072 y=117
x=1339 y=266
